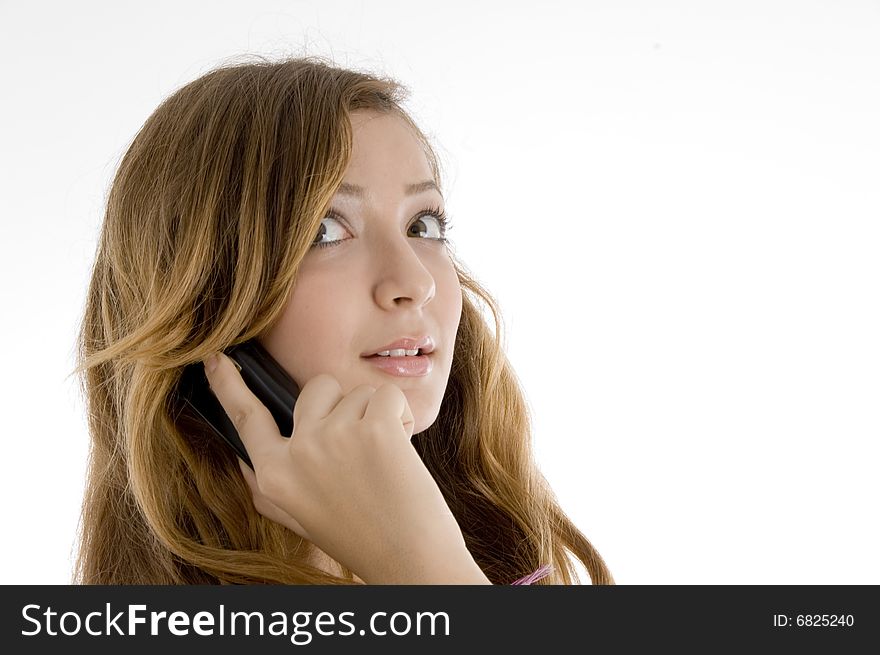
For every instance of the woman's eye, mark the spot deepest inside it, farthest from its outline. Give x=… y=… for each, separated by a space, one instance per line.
x=324 y=232
x=418 y=227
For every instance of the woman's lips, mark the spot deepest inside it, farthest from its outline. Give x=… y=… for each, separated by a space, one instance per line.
x=406 y=366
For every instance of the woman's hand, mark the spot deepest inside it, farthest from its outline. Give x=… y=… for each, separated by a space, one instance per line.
x=349 y=480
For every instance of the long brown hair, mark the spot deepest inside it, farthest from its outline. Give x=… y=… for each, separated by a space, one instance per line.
x=212 y=209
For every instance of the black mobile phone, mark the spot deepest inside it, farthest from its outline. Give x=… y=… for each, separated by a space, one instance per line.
x=264 y=376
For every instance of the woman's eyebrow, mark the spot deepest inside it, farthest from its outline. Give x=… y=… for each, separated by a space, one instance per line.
x=346 y=189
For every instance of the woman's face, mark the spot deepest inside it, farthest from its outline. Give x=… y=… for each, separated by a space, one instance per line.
x=387 y=277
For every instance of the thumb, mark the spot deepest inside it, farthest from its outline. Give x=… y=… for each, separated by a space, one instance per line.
x=406 y=418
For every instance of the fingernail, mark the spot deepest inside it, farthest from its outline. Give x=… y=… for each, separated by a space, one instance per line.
x=211 y=362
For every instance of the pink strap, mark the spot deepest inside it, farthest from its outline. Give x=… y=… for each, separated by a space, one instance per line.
x=541 y=573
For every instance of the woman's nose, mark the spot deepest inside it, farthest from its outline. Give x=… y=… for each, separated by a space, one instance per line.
x=402 y=277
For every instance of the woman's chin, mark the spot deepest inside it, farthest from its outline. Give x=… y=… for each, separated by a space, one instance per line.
x=424 y=419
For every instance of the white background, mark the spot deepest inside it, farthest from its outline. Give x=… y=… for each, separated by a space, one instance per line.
x=676 y=206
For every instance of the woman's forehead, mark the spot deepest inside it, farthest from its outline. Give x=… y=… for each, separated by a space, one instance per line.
x=386 y=154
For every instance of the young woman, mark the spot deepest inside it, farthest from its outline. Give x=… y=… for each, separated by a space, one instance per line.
x=296 y=203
